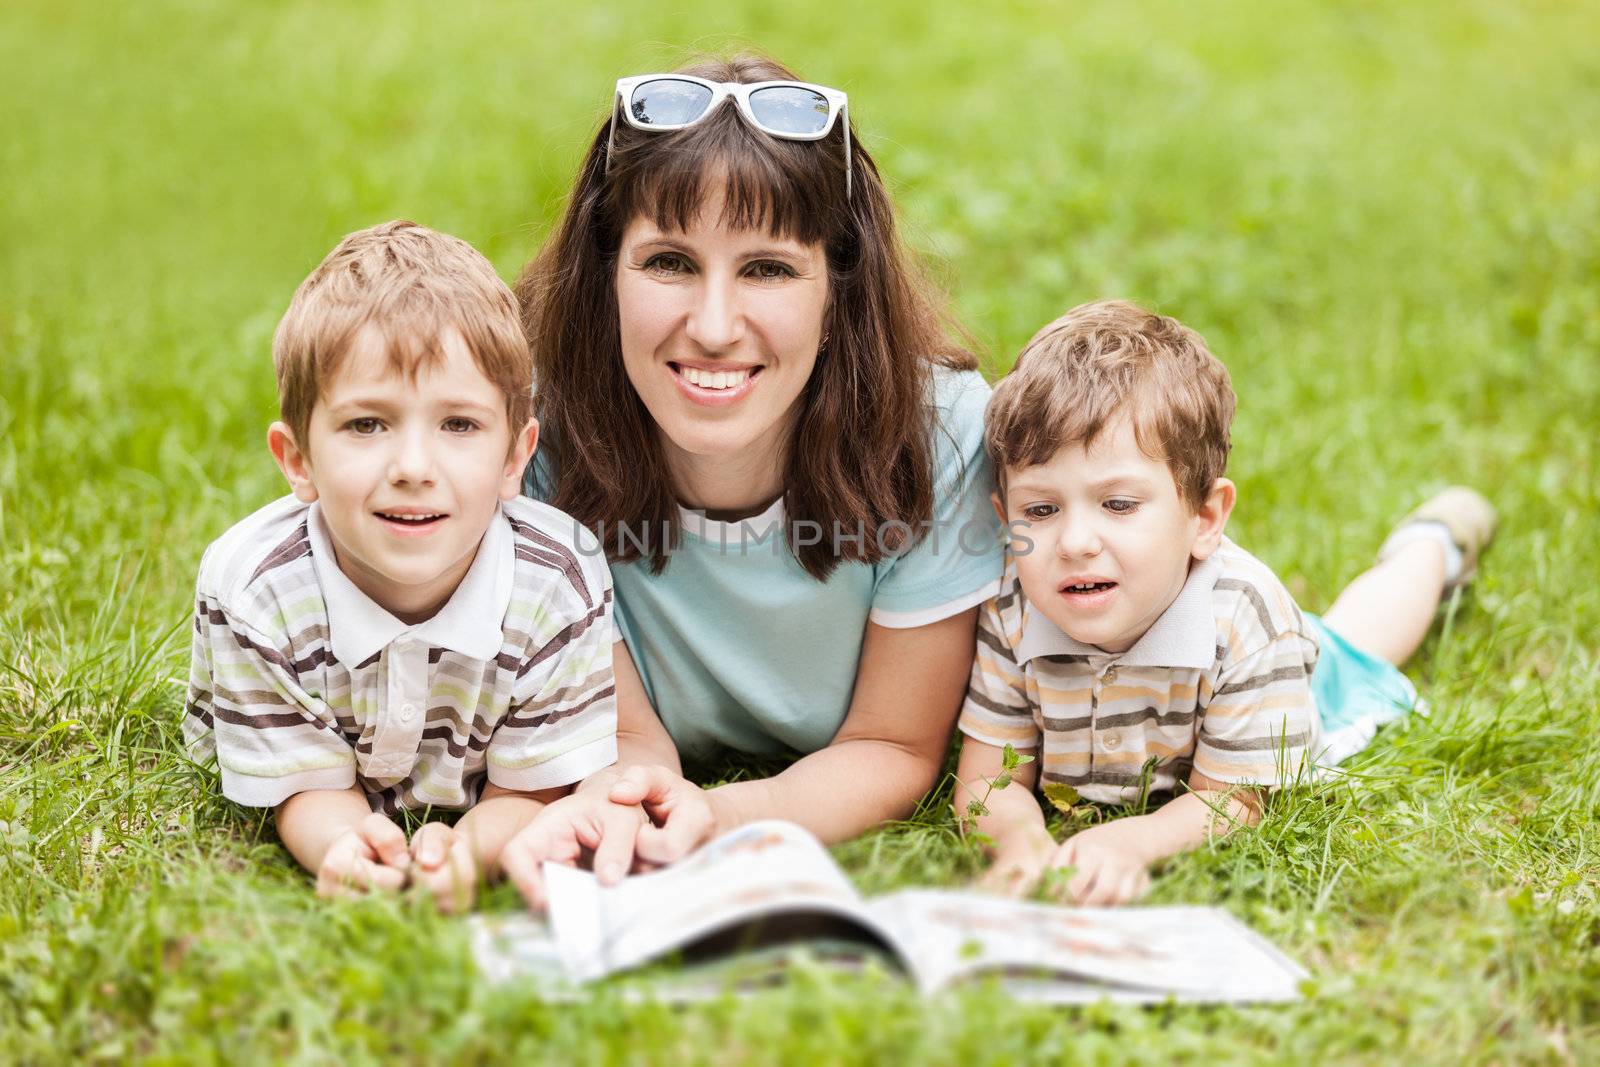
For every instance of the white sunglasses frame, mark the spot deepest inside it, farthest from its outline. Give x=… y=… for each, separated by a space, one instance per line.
x=838 y=105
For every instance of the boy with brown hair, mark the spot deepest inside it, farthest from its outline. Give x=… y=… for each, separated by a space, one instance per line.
x=1133 y=648
x=403 y=631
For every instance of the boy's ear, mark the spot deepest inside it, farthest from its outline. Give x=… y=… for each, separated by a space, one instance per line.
x=522 y=446
x=291 y=461
x=999 y=507
x=1212 y=516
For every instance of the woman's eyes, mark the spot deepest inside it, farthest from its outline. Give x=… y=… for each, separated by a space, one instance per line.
x=770 y=270
x=666 y=263
x=671 y=264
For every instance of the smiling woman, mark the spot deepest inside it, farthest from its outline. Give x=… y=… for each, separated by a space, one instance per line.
x=749 y=394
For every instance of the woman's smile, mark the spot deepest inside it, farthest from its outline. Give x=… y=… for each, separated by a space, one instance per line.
x=714 y=385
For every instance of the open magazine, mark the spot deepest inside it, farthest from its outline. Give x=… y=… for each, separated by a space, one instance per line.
x=736 y=909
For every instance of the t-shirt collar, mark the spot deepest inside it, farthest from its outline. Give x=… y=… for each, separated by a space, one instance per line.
x=1184 y=636
x=470 y=623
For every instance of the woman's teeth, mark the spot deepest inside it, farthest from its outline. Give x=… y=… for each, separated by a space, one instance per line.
x=721 y=379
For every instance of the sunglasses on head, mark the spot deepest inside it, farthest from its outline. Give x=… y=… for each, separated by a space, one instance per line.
x=791 y=111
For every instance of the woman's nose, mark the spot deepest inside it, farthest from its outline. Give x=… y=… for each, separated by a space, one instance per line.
x=716 y=321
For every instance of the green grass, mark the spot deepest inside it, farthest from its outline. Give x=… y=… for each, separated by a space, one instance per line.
x=1385 y=218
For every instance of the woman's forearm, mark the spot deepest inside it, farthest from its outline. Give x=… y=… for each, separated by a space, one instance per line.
x=837 y=792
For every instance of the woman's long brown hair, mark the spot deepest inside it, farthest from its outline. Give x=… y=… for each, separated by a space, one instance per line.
x=862 y=457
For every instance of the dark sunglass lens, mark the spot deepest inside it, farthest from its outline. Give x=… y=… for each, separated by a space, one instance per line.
x=790 y=109
x=668 y=102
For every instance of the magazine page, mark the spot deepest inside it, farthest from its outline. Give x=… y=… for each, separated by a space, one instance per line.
x=1070 y=955
x=764 y=882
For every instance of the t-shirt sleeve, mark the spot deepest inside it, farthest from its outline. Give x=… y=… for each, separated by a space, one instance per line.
x=958 y=562
x=247 y=709
x=997 y=710
x=562 y=723
x=1261 y=722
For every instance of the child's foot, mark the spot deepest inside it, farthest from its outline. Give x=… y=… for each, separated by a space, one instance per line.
x=1463 y=523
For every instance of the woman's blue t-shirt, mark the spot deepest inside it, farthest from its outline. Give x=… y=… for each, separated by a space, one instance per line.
x=740 y=648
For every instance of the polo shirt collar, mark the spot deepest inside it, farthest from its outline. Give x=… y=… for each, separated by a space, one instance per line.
x=470 y=623
x=1185 y=635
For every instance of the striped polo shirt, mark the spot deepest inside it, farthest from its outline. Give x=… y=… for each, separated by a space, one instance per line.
x=1220 y=683
x=300 y=681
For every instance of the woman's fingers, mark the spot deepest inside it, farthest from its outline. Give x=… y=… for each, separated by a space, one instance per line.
x=685 y=827
x=646 y=785
x=613 y=855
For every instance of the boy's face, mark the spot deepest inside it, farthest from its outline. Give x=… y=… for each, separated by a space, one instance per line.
x=408 y=472
x=1111 y=538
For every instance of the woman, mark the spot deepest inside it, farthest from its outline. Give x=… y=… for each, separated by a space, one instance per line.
x=747 y=392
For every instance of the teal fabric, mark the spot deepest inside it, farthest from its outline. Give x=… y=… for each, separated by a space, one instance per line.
x=740 y=649
x=1353 y=688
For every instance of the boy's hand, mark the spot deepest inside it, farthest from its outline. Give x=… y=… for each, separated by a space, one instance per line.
x=442 y=865
x=581 y=822
x=1109 y=866
x=1019 y=862
x=369 y=856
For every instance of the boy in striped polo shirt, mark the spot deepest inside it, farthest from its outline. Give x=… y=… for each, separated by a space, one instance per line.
x=1133 y=649
x=404 y=631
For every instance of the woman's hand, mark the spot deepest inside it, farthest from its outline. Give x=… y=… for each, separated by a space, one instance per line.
x=681 y=816
x=583 y=822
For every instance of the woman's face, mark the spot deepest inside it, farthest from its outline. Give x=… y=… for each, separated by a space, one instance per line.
x=720 y=330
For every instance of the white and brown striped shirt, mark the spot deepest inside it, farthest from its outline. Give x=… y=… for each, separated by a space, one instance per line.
x=1221 y=683
x=300 y=681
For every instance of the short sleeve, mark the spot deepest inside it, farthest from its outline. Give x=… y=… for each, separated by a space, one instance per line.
x=997 y=710
x=1261 y=722
x=958 y=562
x=247 y=708
x=562 y=723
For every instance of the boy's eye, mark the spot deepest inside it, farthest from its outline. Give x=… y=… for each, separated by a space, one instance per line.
x=1121 y=506
x=1039 y=512
x=460 y=424
x=667 y=263
x=363 y=427
x=770 y=270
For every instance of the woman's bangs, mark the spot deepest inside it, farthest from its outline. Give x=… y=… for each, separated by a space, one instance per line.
x=764 y=184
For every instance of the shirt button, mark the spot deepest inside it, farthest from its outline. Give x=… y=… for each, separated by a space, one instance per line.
x=408 y=714
x=1111 y=676
x=1112 y=742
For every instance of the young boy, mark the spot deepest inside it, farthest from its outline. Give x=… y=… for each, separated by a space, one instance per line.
x=403 y=631
x=1132 y=645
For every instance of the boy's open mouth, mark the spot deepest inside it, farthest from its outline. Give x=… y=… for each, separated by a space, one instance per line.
x=1086 y=588
x=412 y=520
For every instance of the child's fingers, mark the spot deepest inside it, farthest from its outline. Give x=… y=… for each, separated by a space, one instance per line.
x=430 y=846
x=345 y=874
x=451 y=885
x=384 y=838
